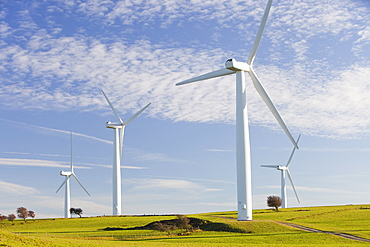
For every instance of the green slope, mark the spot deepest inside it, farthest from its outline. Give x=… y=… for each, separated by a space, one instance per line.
x=224 y=230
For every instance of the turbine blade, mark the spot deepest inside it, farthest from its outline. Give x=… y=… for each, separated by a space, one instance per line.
x=257 y=84
x=135 y=115
x=270 y=166
x=257 y=41
x=78 y=181
x=111 y=106
x=71 y=154
x=210 y=75
x=121 y=142
x=60 y=186
x=291 y=155
x=291 y=182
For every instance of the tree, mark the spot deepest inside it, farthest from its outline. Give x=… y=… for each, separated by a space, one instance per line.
x=22 y=213
x=11 y=217
x=182 y=222
x=72 y=211
x=31 y=214
x=274 y=201
x=2 y=218
x=77 y=211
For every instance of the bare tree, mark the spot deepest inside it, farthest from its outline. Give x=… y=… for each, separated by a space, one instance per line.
x=22 y=213
x=274 y=201
x=31 y=214
x=11 y=217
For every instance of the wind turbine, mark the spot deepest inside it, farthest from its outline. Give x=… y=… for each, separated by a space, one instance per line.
x=285 y=171
x=243 y=166
x=119 y=130
x=67 y=197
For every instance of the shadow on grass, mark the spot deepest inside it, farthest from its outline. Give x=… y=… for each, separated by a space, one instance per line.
x=222 y=227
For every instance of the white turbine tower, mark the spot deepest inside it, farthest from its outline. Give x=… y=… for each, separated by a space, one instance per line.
x=119 y=130
x=67 y=196
x=244 y=184
x=284 y=172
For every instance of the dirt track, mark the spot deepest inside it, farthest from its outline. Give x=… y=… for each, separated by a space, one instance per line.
x=343 y=235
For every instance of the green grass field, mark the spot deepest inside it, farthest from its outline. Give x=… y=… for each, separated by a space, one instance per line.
x=224 y=230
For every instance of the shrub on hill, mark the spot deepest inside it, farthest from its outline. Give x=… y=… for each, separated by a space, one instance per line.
x=181 y=222
x=274 y=201
x=11 y=217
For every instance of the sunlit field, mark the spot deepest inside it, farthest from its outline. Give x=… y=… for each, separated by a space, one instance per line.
x=222 y=229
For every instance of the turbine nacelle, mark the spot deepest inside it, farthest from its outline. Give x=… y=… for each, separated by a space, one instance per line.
x=63 y=173
x=111 y=125
x=234 y=65
x=282 y=168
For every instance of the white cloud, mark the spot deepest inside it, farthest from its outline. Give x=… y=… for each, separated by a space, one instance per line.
x=211 y=190
x=134 y=167
x=219 y=150
x=141 y=155
x=60 y=131
x=222 y=204
x=62 y=72
x=316 y=190
x=10 y=188
x=36 y=163
x=173 y=184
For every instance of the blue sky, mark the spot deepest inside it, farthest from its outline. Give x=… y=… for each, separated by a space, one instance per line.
x=179 y=155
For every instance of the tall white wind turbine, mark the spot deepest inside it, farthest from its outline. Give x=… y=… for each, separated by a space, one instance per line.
x=244 y=183
x=284 y=172
x=67 y=196
x=119 y=130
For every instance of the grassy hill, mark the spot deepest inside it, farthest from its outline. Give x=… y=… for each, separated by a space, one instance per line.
x=221 y=229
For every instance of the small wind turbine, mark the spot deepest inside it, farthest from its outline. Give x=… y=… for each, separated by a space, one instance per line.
x=67 y=197
x=117 y=153
x=285 y=171
x=243 y=166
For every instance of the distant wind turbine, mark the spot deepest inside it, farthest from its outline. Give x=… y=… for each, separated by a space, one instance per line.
x=119 y=130
x=67 y=197
x=244 y=183
x=284 y=172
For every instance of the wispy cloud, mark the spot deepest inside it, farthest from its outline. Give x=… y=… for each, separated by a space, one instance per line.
x=223 y=204
x=64 y=71
x=194 y=179
x=36 y=163
x=313 y=189
x=48 y=155
x=58 y=130
x=173 y=184
x=12 y=188
x=160 y=184
x=141 y=155
x=219 y=150
x=134 y=167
